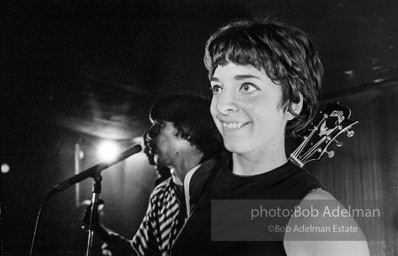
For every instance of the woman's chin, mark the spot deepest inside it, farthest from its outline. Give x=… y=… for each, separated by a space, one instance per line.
x=235 y=147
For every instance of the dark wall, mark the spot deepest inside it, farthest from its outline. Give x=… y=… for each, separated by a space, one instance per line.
x=78 y=73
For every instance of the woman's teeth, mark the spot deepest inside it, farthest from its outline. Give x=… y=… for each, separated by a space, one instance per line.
x=234 y=125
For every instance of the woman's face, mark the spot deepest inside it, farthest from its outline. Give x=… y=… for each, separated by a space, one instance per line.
x=246 y=109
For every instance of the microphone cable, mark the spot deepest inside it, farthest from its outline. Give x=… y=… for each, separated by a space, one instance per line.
x=37 y=221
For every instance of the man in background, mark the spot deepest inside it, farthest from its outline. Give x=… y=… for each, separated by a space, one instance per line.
x=183 y=138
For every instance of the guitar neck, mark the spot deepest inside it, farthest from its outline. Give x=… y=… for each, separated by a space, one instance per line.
x=333 y=122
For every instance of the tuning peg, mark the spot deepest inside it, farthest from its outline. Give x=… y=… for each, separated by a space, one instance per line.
x=330 y=154
x=350 y=133
x=339 y=143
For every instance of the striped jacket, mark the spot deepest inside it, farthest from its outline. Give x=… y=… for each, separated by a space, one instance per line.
x=163 y=220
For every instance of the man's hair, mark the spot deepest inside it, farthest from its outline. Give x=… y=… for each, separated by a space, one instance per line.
x=190 y=115
x=285 y=53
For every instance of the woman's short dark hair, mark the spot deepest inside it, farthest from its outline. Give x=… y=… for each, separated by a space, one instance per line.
x=190 y=115
x=285 y=53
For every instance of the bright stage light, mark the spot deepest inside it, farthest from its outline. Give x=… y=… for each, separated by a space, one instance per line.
x=5 y=168
x=107 y=151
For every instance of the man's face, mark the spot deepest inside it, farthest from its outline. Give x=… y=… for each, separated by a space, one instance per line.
x=164 y=144
x=245 y=108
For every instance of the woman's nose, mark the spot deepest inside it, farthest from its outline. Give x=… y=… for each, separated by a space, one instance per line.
x=226 y=103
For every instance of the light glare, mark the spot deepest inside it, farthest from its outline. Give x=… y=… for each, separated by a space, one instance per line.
x=107 y=151
x=5 y=168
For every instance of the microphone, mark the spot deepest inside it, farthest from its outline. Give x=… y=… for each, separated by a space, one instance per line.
x=94 y=170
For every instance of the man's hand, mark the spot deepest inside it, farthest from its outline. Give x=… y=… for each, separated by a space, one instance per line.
x=87 y=213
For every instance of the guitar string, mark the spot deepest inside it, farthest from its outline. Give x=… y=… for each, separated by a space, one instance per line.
x=296 y=153
x=312 y=150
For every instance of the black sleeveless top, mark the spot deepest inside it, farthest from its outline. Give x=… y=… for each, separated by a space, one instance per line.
x=287 y=182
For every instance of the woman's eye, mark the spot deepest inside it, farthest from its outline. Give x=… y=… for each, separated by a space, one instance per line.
x=248 y=88
x=215 y=89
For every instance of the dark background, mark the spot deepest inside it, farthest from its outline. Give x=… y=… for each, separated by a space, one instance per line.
x=83 y=71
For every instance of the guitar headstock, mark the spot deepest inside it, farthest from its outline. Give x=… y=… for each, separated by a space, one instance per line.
x=333 y=122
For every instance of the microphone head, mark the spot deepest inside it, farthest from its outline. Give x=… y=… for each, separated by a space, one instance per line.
x=95 y=170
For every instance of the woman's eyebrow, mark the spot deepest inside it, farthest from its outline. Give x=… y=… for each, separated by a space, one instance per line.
x=237 y=77
x=241 y=77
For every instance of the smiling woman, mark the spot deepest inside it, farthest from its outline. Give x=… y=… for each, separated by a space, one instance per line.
x=265 y=78
x=245 y=108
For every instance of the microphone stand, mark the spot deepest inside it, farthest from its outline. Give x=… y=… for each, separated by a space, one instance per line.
x=94 y=212
x=93 y=172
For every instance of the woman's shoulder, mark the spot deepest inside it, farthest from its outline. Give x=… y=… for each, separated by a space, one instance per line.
x=320 y=226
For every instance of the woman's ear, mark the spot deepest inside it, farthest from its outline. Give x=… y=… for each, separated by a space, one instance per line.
x=295 y=107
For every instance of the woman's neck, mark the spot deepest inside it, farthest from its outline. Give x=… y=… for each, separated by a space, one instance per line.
x=257 y=162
